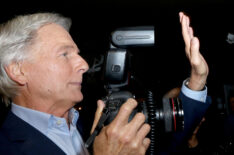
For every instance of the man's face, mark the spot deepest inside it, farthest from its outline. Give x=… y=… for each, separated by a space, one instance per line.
x=54 y=73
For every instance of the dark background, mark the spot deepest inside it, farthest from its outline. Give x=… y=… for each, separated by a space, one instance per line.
x=161 y=67
x=93 y=21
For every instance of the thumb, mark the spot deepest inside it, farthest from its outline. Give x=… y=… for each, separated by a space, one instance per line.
x=98 y=113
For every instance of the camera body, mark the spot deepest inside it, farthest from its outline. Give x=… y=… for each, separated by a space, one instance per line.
x=166 y=116
x=117 y=62
x=117 y=76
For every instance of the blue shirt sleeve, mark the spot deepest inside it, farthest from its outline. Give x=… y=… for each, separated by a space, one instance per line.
x=196 y=95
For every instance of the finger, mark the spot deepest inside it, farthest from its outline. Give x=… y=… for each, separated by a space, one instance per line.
x=146 y=143
x=191 y=32
x=180 y=15
x=140 y=141
x=144 y=146
x=187 y=20
x=185 y=32
x=137 y=122
x=189 y=28
x=124 y=112
x=98 y=113
x=142 y=133
x=184 y=25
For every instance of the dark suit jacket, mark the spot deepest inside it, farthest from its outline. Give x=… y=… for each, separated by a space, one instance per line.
x=25 y=139
x=18 y=137
x=172 y=143
x=193 y=113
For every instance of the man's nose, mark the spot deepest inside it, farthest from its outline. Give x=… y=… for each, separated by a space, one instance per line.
x=82 y=65
x=86 y=66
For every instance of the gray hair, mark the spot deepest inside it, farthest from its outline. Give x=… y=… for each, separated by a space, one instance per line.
x=15 y=36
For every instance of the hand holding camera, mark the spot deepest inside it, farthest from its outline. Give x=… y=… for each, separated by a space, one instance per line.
x=125 y=137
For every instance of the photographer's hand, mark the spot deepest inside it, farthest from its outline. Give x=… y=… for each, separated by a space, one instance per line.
x=123 y=137
x=199 y=67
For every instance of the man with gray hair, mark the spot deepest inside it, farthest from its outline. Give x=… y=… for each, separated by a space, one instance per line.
x=41 y=77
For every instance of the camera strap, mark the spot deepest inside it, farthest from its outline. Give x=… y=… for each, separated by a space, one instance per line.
x=105 y=115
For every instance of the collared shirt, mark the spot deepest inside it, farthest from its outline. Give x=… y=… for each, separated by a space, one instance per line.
x=196 y=95
x=55 y=128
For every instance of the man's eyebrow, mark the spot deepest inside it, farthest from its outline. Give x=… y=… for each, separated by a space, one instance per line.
x=68 y=47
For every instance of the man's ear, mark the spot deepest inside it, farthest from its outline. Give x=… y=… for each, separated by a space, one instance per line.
x=14 y=71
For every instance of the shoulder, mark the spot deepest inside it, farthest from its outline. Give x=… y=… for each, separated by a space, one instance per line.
x=6 y=145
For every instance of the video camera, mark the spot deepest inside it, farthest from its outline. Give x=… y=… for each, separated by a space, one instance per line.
x=168 y=116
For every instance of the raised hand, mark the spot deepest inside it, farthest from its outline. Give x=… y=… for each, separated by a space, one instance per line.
x=199 y=67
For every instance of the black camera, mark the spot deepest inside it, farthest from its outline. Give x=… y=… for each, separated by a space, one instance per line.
x=167 y=116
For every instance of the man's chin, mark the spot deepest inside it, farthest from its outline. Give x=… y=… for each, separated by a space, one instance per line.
x=79 y=98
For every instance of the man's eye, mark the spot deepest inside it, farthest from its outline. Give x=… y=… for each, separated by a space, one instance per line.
x=65 y=54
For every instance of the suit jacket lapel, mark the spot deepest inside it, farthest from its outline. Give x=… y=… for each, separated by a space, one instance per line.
x=79 y=126
x=28 y=139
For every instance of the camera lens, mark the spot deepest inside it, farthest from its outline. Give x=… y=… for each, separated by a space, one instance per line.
x=172 y=114
x=167 y=116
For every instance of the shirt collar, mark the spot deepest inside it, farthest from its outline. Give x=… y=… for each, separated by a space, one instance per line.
x=40 y=120
x=73 y=116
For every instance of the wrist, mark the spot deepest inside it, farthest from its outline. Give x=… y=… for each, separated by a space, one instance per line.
x=196 y=84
